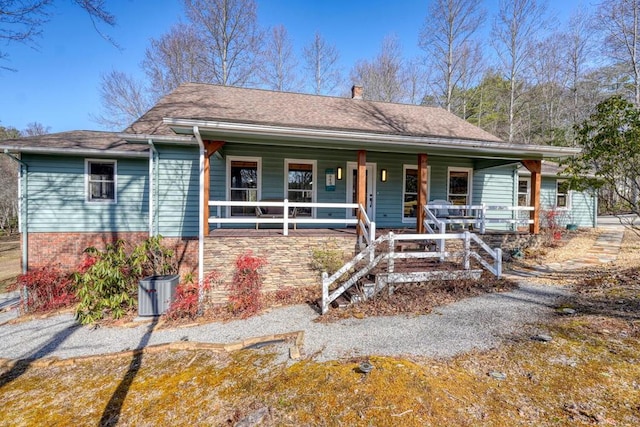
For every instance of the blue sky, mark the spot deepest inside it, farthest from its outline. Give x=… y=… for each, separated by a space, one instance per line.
x=57 y=83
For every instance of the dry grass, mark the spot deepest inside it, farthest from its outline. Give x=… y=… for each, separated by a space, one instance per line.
x=589 y=374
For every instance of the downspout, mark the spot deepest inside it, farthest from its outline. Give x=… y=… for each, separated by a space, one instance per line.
x=153 y=182
x=196 y=132
x=22 y=209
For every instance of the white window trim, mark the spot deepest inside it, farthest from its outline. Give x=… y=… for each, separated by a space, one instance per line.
x=227 y=184
x=568 y=195
x=528 y=180
x=404 y=183
x=314 y=172
x=469 y=185
x=87 y=194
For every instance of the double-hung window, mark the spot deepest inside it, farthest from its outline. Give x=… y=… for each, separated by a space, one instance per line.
x=100 y=178
x=459 y=186
x=300 y=183
x=244 y=184
x=563 y=196
x=524 y=191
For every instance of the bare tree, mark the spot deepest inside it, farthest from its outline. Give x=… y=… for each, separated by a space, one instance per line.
x=514 y=31
x=578 y=42
x=545 y=96
x=278 y=70
x=620 y=22
x=179 y=56
x=123 y=100
x=383 y=78
x=8 y=184
x=22 y=21
x=415 y=80
x=36 y=129
x=230 y=32
x=470 y=72
x=450 y=24
x=321 y=64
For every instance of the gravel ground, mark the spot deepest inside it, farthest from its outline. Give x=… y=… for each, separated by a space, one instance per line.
x=476 y=323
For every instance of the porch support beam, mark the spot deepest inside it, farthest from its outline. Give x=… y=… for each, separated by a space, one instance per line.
x=211 y=147
x=361 y=189
x=423 y=177
x=535 y=167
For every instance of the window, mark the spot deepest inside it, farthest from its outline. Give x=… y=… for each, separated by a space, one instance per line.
x=300 y=179
x=410 y=189
x=244 y=175
x=101 y=180
x=563 y=199
x=459 y=186
x=524 y=194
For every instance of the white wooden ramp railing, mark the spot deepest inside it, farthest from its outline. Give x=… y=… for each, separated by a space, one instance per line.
x=365 y=261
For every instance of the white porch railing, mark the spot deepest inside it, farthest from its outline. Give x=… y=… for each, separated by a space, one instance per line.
x=476 y=215
x=390 y=255
x=366 y=226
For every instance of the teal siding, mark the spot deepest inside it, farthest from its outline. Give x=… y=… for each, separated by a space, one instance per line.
x=495 y=187
x=178 y=191
x=389 y=197
x=56 y=196
x=581 y=210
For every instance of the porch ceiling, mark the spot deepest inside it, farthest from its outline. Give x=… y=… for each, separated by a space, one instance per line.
x=344 y=140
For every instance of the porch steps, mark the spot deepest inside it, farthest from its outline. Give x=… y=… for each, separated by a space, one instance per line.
x=409 y=272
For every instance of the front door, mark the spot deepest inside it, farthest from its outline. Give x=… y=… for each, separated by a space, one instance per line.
x=352 y=185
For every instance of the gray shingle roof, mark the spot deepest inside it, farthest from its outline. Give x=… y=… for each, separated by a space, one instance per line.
x=255 y=106
x=79 y=140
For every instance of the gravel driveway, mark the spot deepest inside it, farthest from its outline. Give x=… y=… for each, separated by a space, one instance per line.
x=480 y=323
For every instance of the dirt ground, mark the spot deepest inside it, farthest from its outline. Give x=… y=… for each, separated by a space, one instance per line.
x=9 y=260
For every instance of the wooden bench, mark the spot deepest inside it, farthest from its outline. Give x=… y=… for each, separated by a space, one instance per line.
x=274 y=212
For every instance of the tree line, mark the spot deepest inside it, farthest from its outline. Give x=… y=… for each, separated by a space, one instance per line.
x=532 y=81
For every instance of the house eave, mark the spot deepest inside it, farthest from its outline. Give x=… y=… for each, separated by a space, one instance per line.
x=463 y=146
x=163 y=139
x=79 y=152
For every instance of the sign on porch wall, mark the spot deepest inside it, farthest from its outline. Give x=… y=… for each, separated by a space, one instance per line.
x=330 y=180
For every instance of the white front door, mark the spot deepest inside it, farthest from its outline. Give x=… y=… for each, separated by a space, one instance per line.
x=352 y=188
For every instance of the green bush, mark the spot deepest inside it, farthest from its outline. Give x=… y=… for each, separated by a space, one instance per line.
x=327 y=259
x=107 y=284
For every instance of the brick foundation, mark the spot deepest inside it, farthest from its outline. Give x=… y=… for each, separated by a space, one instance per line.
x=288 y=258
x=65 y=250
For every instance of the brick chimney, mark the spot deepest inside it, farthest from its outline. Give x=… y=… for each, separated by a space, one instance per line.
x=356 y=92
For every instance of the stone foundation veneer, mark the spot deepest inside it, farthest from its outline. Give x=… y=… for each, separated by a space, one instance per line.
x=65 y=250
x=288 y=258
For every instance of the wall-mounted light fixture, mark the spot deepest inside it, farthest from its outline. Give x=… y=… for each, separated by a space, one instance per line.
x=383 y=175
x=339 y=169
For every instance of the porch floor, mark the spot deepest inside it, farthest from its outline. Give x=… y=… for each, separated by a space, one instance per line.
x=328 y=232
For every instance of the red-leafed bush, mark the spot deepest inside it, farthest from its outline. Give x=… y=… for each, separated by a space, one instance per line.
x=47 y=289
x=186 y=301
x=245 y=296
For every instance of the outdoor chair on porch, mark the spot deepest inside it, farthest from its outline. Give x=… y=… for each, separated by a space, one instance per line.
x=274 y=212
x=451 y=215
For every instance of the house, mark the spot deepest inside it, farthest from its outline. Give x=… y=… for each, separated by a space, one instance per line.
x=196 y=166
x=557 y=202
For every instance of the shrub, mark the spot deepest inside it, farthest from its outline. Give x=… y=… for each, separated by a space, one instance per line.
x=186 y=302
x=47 y=289
x=327 y=259
x=245 y=298
x=107 y=281
x=108 y=285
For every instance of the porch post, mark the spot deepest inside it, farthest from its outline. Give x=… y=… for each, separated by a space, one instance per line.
x=535 y=167
x=422 y=191
x=361 y=190
x=211 y=147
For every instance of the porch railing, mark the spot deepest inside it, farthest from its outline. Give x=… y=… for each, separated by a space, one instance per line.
x=476 y=215
x=365 y=225
x=357 y=270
